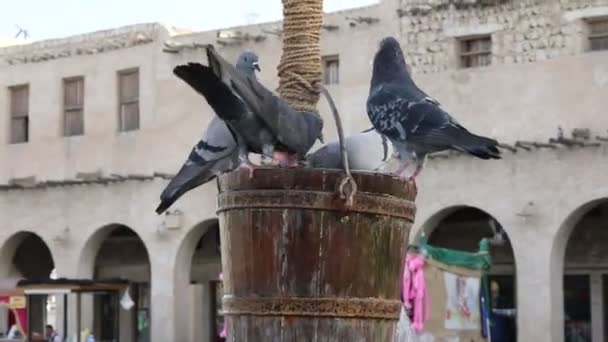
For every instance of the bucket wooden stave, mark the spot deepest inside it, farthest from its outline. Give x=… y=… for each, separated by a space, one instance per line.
x=299 y=266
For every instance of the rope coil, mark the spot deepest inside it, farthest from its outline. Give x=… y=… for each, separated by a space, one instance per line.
x=299 y=70
x=300 y=73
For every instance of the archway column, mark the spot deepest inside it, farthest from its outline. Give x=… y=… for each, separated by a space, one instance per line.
x=163 y=294
x=192 y=317
x=539 y=288
x=67 y=267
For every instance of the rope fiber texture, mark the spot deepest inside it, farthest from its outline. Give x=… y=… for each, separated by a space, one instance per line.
x=300 y=71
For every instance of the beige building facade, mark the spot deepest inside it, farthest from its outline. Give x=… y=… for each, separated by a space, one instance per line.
x=92 y=125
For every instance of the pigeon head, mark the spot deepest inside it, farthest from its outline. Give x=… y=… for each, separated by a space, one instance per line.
x=389 y=63
x=248 y=63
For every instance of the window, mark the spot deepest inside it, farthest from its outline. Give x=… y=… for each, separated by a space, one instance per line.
x=128 y=92
x=19 y=103
x=598 y=34
x=475 y=52
x=331 y=70
x=73 y=106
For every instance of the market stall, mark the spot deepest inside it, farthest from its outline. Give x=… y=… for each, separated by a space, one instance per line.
x=445 y=294
x=73 y=289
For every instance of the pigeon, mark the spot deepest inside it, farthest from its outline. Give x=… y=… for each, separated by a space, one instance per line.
x=295 y=132
x=214 y=154
x=218 y=151
x=366 y=151
x=251 y=133
x=413 y=121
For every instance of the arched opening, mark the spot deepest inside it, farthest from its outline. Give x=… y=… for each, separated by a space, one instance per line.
x=462 y=228
x=116 y=251
x=586 y=277
x=204 y=273
x=25 y=255
x=199 y=291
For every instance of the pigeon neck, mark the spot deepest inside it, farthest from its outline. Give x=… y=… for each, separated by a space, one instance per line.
x=387 y=75
x=248 y=71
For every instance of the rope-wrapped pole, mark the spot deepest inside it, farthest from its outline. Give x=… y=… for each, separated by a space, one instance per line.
x=307 y=257
x=300 y=67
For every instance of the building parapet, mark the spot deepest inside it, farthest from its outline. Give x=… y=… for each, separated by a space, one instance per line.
x=84 y=44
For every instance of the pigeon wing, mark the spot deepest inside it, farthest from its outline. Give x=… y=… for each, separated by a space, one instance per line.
x=429 y=125
x=220 y=97
x=296 y=130
x=216 y=153
x=233 y=79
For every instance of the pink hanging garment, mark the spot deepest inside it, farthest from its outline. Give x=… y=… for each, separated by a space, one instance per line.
x=414 y=290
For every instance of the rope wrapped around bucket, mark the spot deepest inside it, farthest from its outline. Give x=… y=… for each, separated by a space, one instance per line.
x=300 y=67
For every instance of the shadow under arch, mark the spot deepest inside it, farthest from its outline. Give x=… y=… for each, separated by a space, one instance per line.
x=187 y=245
x=571 y=265
x=92 y=246
x=183 y=275
x=25 y=254
x=12 y=253
x=466 y=222
x=564 y=232
x=115 y=251
x=433 y=221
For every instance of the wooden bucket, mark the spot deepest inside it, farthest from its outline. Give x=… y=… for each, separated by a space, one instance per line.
x=299 y=266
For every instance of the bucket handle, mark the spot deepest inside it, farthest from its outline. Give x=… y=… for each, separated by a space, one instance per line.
x=347 y=186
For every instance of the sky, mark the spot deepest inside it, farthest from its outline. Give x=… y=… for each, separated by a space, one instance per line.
x=44 y=19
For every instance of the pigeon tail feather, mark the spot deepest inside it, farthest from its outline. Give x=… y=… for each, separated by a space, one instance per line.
x=188 y=178
x=219 y=95
x=481 y=147
x=164 y=205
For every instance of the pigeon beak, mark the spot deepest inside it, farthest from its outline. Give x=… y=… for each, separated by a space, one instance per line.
x=256 y=66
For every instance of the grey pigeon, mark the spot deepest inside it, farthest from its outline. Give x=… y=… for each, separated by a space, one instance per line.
x=214 y=154
x=217 y=151
x=366 y=151
x=415 y=123
x=250 y=131
x=295 y=132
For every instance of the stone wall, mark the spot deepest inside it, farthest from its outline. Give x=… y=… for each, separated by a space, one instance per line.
x=84 y=44
x=523 y=31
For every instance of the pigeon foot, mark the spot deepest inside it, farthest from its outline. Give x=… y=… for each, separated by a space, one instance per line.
x=250 y=167
x=402 y=174
x=285 y=159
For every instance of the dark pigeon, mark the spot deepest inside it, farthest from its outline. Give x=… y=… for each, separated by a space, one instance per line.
x=213 y=155
x=366 y=151
x=252 y=135
x=295 y=132
x=219 y=150
x=414 y=122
